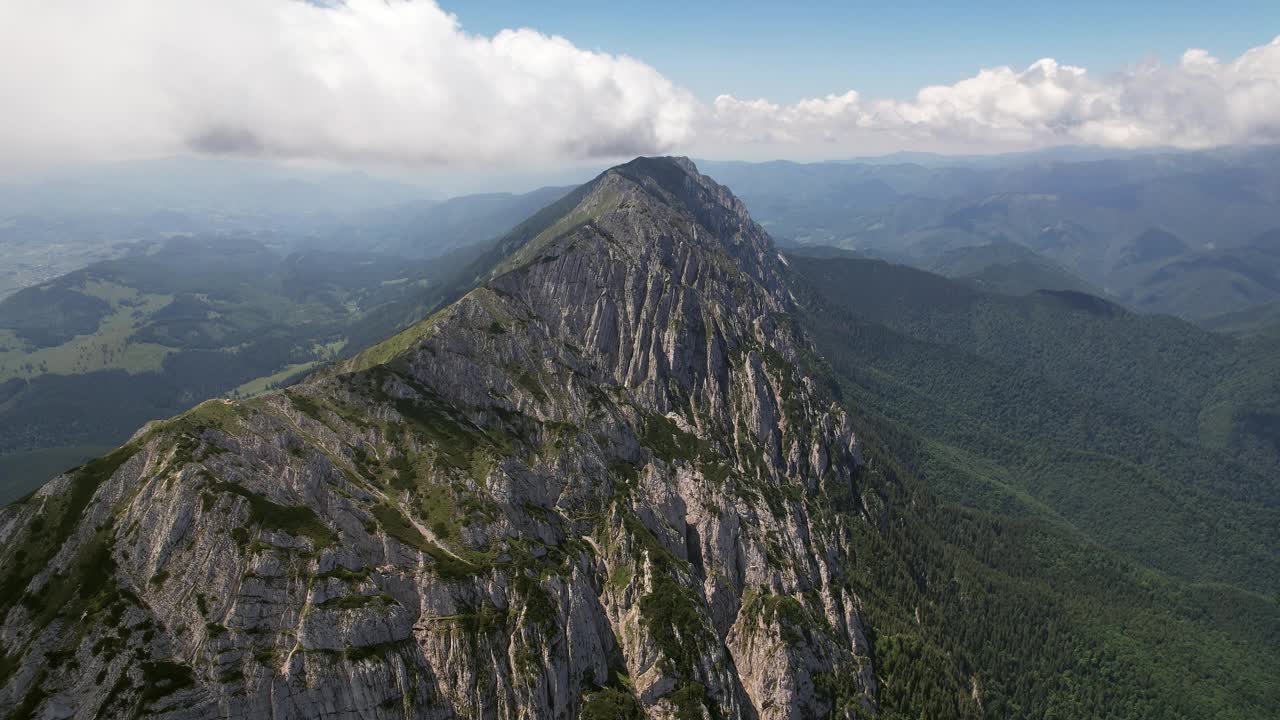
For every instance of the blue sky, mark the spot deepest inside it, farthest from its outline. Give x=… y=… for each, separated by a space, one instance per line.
x=789 y=51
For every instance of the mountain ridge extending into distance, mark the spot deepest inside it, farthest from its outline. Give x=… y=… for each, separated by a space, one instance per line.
x=89 y=356
x=643 y=465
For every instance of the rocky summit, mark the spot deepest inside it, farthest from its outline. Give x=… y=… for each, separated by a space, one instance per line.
x=598 y=485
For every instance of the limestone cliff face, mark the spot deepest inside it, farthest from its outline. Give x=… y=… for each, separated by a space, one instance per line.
x=599 y=485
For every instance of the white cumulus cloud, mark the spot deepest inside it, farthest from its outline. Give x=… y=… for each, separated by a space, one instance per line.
x=399 y=81
x=1199 y=102
x=357 y=81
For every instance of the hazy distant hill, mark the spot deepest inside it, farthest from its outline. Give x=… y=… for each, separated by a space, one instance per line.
x=87 y=358
x=1171 y=232
x=1250 y=321
x=1008 y=268
x=1208 y=283
x=427 y=229
x=52 y=226
x=229 y=186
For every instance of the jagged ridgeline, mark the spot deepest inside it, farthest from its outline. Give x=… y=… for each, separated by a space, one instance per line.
x=596 y=486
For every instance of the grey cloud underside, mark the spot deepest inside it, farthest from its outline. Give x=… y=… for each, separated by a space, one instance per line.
x=244 y=142
x=226 y=141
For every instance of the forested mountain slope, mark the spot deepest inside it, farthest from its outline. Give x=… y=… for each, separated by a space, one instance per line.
x=1145 y=431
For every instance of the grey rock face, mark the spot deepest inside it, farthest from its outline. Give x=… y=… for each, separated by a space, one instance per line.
x=599 y=485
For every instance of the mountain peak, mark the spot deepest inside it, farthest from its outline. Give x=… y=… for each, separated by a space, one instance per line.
x=604 y=462
x=649 y=201
x=676 y=180
x=658 y=165
x=668 y=185
x=672 y=174
x=647 y=241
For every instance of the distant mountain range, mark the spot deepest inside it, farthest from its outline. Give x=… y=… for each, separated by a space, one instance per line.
x=1190 y=234
x=56 y=226
x=1008 y=268
x=427 y=229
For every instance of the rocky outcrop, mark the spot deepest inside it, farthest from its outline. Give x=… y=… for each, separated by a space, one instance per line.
x=599 y=485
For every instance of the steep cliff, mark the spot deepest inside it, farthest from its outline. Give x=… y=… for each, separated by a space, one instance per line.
x=598 y=485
